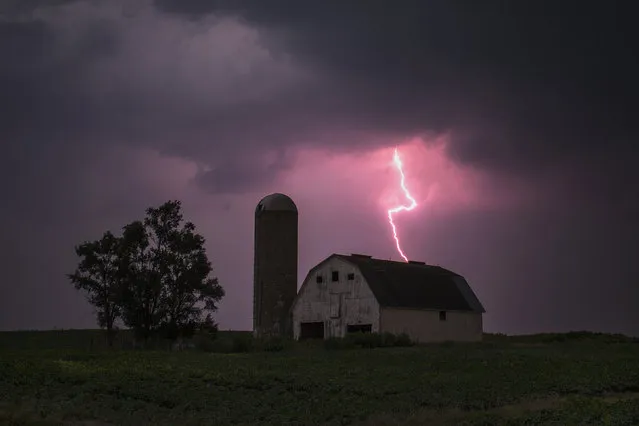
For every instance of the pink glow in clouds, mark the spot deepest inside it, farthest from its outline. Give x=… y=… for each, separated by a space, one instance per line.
x=411 y=206
x=344 y=197
x=352 y=184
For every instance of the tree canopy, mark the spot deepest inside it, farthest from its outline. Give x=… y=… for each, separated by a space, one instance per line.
x=98 y=274
x=155 y=277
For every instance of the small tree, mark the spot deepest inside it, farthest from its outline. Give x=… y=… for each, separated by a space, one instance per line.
x=169 y=286
x=99 y=275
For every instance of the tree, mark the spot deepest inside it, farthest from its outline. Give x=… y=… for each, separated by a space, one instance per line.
x=156 y=277
x=142 y=286
x=99 y=274
x=168 y=286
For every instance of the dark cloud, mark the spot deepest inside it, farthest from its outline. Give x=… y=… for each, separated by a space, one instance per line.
x=21 y=7
x=526 y=88
x=248 y=174
x=543 y=93
x=519 y=85
x=570 y=51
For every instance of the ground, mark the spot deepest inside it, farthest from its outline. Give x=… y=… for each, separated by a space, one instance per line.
x=65 y=378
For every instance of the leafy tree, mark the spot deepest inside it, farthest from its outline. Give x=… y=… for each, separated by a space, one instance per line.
x=142 y=286
x=169 y=286
x=156 y=277
x=99 y=275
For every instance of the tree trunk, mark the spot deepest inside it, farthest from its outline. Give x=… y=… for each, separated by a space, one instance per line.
x=110 y=335
x=110 y=332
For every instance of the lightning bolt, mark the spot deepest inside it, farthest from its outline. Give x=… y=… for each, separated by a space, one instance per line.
x=411 y=206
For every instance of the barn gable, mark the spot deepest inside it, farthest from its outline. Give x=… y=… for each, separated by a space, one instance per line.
x=309 y=279
x=336 y=298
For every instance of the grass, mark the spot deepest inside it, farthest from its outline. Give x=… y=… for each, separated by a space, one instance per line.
x=58 y=378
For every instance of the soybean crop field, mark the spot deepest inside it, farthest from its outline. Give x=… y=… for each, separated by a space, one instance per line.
x=592 y=380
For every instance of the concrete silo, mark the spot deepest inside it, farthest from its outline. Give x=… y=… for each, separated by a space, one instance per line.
x=275 y=265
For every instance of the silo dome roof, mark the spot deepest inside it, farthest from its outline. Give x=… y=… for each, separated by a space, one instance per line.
x=276 y=202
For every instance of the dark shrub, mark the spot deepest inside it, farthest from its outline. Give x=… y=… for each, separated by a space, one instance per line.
x=274 y=344
x=204 y=343
x=335 y=343
x=243 y=343
x=209 y=326
x=389 y=340
x=205 y=338
x=404 y=340
x=367 y=340
x=173 y=332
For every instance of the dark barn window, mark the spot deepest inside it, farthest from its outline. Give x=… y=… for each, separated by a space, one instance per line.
x=350 y=276
x=335 y=276
x=319 y=279
x=311 y=330
x=442 y=315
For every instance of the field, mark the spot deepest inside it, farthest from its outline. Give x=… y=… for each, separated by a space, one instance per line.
x=67 y=378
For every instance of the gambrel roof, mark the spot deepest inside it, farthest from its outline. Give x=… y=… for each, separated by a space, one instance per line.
x=413 y=285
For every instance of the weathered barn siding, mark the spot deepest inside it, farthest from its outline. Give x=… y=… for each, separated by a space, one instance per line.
x=425 y=326
x=337 y=304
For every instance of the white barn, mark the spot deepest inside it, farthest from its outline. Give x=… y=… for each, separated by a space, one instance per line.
x=358 y=293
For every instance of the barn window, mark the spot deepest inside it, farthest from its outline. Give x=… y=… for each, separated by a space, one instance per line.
x=442 y=315
x=335 y=276
x=350 y=276
x=319 y=279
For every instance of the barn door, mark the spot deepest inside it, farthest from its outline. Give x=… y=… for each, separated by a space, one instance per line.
x=335 y=305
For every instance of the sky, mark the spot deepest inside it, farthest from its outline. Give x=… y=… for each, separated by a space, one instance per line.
x=516 y=123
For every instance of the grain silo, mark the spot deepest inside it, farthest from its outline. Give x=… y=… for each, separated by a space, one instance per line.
x=275 y=267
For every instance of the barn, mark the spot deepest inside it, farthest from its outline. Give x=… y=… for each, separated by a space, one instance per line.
x=351 y=293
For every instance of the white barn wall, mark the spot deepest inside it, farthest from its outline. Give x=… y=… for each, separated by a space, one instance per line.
x=424 y=325
x=357 y=302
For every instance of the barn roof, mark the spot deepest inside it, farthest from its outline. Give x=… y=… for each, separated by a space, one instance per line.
x=415 y=285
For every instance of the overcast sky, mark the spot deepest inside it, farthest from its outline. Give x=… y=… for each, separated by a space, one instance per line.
x=516 y=121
